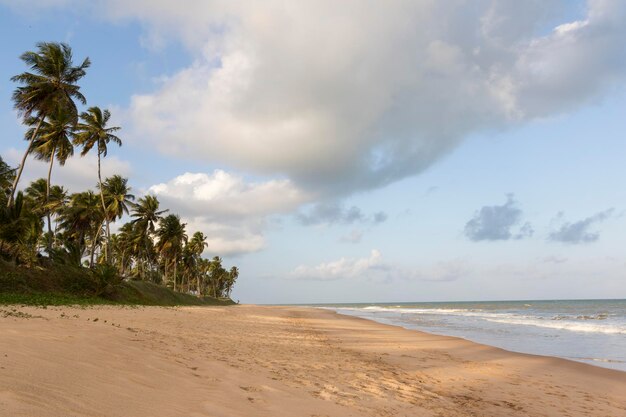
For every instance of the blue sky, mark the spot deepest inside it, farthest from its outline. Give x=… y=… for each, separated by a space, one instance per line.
x=362 y=160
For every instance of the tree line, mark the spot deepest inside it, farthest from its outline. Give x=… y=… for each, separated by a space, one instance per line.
x=45 y=224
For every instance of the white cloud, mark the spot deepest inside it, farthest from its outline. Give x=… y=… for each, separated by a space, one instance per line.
x=224 y=239
x=222 y=195
x=375 y=268
x=78 y=173
x=342 y=268
x=231 y=211
x=342 y=96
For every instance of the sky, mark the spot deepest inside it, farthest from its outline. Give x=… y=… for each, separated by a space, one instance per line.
x=361 y=151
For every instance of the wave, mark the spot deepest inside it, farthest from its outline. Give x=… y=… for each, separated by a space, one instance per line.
x=563 y=325
x=599 y=316
x=455 y=311
x=576 y=323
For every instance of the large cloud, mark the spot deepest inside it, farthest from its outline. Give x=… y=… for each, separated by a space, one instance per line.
x=342 y=96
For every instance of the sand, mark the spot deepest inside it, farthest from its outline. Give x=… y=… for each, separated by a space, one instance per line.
x=274 y=361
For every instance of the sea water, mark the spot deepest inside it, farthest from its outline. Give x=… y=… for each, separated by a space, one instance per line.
x=591 y=331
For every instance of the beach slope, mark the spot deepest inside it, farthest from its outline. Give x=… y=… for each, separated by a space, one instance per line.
x=274 y=361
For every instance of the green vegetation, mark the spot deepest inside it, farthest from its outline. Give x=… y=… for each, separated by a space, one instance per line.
x=64 y=285
x=56 y=247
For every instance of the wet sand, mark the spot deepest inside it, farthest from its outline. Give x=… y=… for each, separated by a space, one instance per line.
x=274 y=361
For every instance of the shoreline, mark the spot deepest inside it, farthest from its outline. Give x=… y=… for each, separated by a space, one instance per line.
x=486 y=345
x=585 y=361
x=275 y=361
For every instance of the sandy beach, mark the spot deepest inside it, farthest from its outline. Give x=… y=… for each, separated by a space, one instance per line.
x=274 y=361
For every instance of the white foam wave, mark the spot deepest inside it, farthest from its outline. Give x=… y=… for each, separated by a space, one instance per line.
x=563 y=325
x=560 y=322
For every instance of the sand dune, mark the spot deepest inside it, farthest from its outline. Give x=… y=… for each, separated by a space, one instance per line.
x=274 y=361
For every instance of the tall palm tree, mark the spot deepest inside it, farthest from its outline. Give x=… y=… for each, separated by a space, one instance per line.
x=53 y=140
x=198 y=243
x=124 y=247
x=117 y=199
x=233 y=274
x=203 y=269
x=50 y=84
x=93 y=131
x=145 y=215
x=172 y=235
x=36 y=195
x=195 y=247
x=82 y=218
x=217 y=274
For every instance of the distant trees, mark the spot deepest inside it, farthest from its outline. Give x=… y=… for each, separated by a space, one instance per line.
x=149 y=246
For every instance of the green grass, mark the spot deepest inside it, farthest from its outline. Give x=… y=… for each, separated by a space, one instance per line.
x=65 y=285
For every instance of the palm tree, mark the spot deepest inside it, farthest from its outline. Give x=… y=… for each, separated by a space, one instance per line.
x=233 y=274
x=198 y=243
x=146 y=214
x=53 y=140
x=51 y=84
x=216 y=275
x=36 y=195
x=6 y=178
x=56 y=202
x=82 y=218
x=117 y=199
x=93 y=131
x=203 y=270
x=171 y=234
x=196 y=246
x=20 y=230
x=124 y=246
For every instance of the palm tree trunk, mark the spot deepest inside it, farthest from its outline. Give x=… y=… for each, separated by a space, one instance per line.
x=93 y=247
x=175 y=268
x=21 y=167
x=104 y=210
x=49 y=243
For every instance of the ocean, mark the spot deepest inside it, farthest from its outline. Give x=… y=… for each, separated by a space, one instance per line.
x=590 y=331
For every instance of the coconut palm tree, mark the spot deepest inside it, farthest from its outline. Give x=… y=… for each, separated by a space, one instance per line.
x=233 y=274
x=145 y=215
x=198 y=243
x=117 y=199
x=172 y=235
x=191 y=256
x=6 y=179
x=50 y=84
x=82 y=218
x=124 y=247
x=217 y=275
x=53 y=140
x=20 y=230
x=93 y=131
